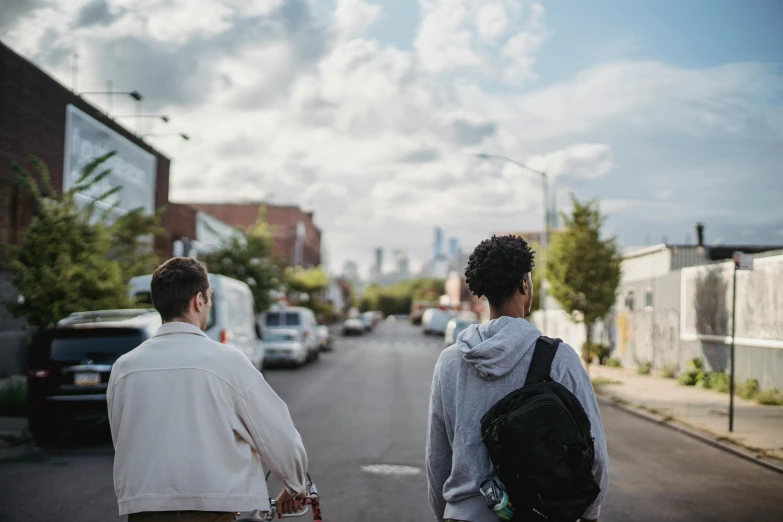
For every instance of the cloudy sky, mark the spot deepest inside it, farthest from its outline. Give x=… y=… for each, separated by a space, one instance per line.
x=371 y=112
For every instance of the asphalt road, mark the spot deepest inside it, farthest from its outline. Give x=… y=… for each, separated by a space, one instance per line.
x=364 y=405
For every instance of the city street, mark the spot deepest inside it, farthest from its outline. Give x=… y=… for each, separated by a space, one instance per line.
x=365 y=404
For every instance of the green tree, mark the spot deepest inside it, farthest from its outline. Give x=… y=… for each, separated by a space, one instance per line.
x=305 y=286
x=397 y=298
x=62 y=266
x=583 y=269
x=132 y=242
x=247 y=257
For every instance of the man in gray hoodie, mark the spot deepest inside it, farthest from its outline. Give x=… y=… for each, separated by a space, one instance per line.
x=488 y=362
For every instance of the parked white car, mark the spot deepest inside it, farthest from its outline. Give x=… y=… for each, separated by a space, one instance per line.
x=284 y=346
x=455 y=326
x=295 y=318
x=353 y=327
x=324 y=338
x=434 y=321
x=231 y=319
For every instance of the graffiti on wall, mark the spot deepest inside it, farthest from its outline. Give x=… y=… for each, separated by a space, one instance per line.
x=624 y=331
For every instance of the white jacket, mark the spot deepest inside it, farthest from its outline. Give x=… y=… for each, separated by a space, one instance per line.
x=192 y=421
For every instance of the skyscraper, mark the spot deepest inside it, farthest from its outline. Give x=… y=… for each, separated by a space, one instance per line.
x=378 y=269
x=402 y=264
x=453 y=248
x=351 y=271
x=438 y=245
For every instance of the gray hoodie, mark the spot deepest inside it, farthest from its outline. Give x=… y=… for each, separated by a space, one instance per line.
x=488 y=362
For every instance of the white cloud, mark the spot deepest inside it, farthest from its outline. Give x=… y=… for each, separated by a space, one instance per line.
x=492 y=21
x=585 y=160
x=380 y=142
x=354 y=17
x=461 y=36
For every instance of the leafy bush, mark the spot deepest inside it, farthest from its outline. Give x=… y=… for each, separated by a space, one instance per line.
x=598 y=351
x=694 y=374
x=13 y=397
x=687 y=379
x=644 y=367
x=771 y=397
x=614 y=362
x=695 y=364
x=718 y=381
x=749 y=389
x=669 y=371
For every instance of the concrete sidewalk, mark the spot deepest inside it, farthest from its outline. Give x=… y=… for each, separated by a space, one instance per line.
x=757 y=428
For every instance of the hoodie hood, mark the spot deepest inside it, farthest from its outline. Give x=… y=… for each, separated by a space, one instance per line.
x=496 y=347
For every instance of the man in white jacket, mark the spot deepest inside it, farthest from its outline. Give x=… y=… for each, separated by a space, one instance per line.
x=193 y=422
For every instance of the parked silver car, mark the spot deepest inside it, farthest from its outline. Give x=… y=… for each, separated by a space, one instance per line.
x=284 y=346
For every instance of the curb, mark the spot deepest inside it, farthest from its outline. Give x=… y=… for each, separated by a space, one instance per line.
x=693 y=434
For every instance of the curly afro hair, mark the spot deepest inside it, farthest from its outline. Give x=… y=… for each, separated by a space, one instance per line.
x=497 y=268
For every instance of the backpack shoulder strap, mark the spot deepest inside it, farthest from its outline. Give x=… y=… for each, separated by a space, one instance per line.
x=541 y=364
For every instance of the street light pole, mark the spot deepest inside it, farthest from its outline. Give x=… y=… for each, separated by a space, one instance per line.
x=545 y=233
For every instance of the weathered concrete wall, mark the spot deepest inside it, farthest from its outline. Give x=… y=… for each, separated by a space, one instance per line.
x=656 y=319
x=648 y=317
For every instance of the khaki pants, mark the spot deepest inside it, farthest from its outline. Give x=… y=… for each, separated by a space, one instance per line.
x=181 y=516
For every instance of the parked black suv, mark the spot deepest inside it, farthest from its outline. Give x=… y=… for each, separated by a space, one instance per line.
x=70 y=369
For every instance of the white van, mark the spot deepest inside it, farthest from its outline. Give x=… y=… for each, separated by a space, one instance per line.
x=295 y=318
x=231 y=319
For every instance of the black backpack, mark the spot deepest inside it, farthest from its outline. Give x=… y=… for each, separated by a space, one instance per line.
x=538 y=438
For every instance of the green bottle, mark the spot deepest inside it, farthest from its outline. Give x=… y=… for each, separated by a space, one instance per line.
x=497 y=499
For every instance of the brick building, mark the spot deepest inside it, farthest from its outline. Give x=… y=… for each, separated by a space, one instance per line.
x=283 y=218
x=39 y=116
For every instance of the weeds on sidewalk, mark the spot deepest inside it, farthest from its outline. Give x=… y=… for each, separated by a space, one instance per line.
x=771 y=397
x=669 y=371
x=718 y=381
x=749 y=389
x=614 y=362
x=600 y=382
x=644 y=367
x=13 y=397
x=693 y=374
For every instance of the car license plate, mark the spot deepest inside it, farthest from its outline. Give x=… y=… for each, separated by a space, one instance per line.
x=86 y=379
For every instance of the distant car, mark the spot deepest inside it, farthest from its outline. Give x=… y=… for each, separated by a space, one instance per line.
x=324 y=338
x=354 y=326
x=417 y=311
x=69 y=371
x=368 y=318
x=295 y=318
x=455 y=326
x=434 y=321
x=284 y=346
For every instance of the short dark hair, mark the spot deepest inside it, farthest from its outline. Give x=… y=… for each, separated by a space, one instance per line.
x=498 y=267
x=174 y=283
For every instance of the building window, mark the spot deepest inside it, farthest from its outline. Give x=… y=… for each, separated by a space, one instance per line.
x=629 y=300
x=648 y=298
